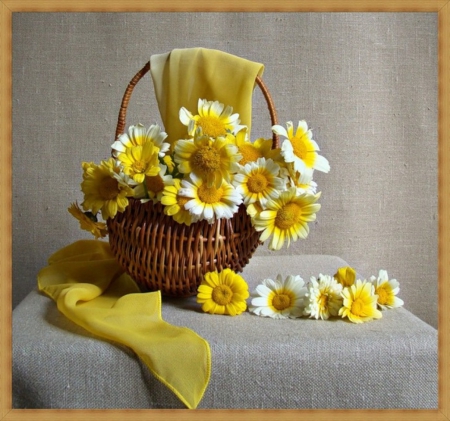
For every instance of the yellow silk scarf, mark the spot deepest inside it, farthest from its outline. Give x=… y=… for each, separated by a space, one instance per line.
x=183 y=76
x=90 y=289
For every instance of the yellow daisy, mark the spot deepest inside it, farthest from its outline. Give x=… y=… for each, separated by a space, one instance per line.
x=254 y=209
x=287 y=217
x=301 y=149
x=153 y=186
x=223 y=293
x=259 y=181
x=174 y=204
x=260 y=148
x=88 y=221
x=140 y=161
x=210 y=202
x=279 y=299
x=137 y=136
x=169 y=162
x=212 y=160
x=104 y=189
x=346 y=276
x=323 y=297
x=86 y=165
x=386 y=290
x=213 y=118
x=360 y=302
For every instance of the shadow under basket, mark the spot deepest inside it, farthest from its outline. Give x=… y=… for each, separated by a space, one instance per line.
x=161 y=254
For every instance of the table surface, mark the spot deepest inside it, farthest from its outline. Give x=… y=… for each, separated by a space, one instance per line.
x=257 y=362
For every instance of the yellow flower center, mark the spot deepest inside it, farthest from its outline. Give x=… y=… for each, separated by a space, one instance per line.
x=323 y=301
x=257 y=183
x=288 y=216
x=206 y=160
x=209 y=194
x=154 y=183
x=249 y=154
x=222 y=295
x=139 y=167
x=383 y=296
x=108 y=188
x=281 y=301
x=211 y=126
x=182 y=200
x=357 y=307
x=299 y=146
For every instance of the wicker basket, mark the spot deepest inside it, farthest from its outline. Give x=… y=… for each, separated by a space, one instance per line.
x=161 y=254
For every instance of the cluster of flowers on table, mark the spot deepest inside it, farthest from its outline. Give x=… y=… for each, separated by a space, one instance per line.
x=323 y=297
x=208 y=175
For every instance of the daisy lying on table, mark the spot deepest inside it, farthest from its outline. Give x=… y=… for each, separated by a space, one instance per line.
x=339 y=295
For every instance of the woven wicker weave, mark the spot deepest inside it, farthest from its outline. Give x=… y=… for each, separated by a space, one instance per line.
x=161 y=254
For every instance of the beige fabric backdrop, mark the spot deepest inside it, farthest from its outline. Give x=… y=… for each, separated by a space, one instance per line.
x=366 y=84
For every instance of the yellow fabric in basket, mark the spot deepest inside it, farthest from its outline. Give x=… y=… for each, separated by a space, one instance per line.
x=90 y=289
x=183 y=76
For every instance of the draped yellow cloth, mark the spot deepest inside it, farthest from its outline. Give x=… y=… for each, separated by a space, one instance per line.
x=90 y=289
x=183 y=76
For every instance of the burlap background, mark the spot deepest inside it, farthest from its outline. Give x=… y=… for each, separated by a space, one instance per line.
x=365 y=83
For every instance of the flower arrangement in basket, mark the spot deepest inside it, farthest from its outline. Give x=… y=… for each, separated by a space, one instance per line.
x=175 y=211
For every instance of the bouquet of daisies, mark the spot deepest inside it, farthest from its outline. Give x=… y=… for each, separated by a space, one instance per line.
x=208 y=175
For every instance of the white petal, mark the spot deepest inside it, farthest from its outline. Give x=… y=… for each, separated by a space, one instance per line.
x=208 y=212
x=279 y=130
x=263 y=290
x=259 y=301
x=118 y=146
x=321 y=164
x=185 y=116
x=303 y=125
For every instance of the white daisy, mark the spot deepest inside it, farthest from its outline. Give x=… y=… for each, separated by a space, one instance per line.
x=214 y=119
x=310 y=188
x=280 y=299
x=210 y=202
x=386 y=290
x=286 y=217
x=323 y=297
x=174 y=204
x=137 y=136
x=258 y=181
x=302 y=182
x=301 y=149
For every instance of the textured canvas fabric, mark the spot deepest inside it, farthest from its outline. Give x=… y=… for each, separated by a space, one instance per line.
x=365 y=82
x=257 y=362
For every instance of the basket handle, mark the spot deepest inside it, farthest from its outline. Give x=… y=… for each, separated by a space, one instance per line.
x=141 y=73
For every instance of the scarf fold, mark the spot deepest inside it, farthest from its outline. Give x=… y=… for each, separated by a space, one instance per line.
x=90 y=289
x=183 y=76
